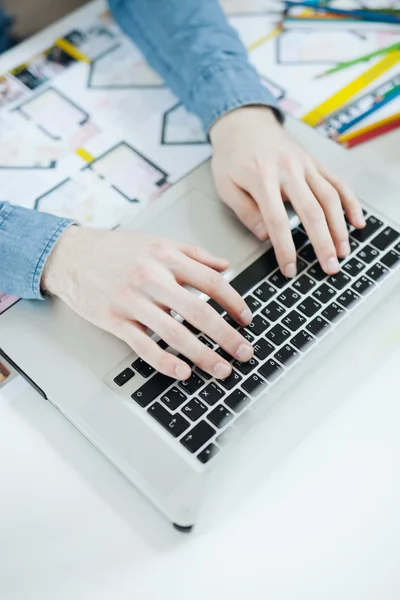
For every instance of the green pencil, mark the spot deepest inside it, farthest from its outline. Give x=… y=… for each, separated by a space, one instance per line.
x=350 y=63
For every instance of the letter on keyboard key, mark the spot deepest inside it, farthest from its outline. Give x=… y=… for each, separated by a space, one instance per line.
x=123 y=377
x=318 y=326
x=192 y=384
x=304 y=284
x=309 y=307
x=258 y=325
x=237 y=401
x=254 y=385
x=347 y=298
x=324 y=293
x=302 y=340
x=152 y=388
x=278 y=334
x=264 y=292
x=194 y=409
x=220 y=416
x=377 y=272
x=354 y=267
x=368 y=254
x=273 y=311
x=198 y=436
x=333 y=312
x=289 y=297
x=230 y=381
x=212 y=393
x=293 y=320
x=262 y=349
x=174 y=424
x=363 y=285
x=246 y=367
x=252 y=303
x=270 y=370
x=286 y=354
x=173 y=398
x=339 y=280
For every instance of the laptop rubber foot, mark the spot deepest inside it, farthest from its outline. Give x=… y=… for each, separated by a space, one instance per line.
x=183 y=528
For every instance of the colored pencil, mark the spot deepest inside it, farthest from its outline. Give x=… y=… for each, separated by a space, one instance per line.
x=380 y=102
x=372 y=134
x=359 y=59
x=358 y=14
x=367 y=128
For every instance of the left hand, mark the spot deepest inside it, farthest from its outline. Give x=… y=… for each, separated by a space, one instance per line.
x=257 y=166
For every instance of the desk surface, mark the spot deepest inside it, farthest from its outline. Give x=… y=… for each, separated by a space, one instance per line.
x=324 y=524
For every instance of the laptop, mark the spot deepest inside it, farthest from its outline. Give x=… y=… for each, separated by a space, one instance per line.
x=169 y=438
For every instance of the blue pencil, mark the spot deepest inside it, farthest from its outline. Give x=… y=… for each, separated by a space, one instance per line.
x=358 y=14
x=387 y=98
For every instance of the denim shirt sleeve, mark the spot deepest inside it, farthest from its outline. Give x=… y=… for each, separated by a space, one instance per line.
x=198 y=54
x=26 y=239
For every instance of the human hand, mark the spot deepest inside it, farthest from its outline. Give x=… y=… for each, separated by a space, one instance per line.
x=257 y=165
x=127 y=282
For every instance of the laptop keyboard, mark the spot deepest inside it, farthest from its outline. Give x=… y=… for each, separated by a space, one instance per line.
x=289 y=315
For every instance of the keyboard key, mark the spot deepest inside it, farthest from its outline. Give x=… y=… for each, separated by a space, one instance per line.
x=224 y=354
x=347 y=298
x=363 y=285
x=206 y=341
x=302 y=339
x=152 y=388
x=220 y=416
x=264 y=292
x=299 y=238
x=384 y=239
x=163 y=345
x=273 y=311
x=278 y=335
x=293 y=320
x=143 y=368
x=258 y=325
x=246 y=367
x=391 y=259
x=286 y=354
x=362 y=235
x=252 y=303
x=317 y=326
x=231 y=322
x=230 y=381
x=214 y=304
x=368 y=254
x=309 y=307
x=377 y=272
x=354 y=267
x=324 y=293
x=212 y=393
x=204 y=375
x=339 y=280
x=278 y=279
x=333 y=312
x=353 y=245
x=304 y=284
x=316 y=272
x=198 y=436
x=192 y=384
x=262 y=349
x=270 y=370
x=194 y=409
x=123 y=377
x=207 y=453
x=174 y=424
x=173 y=398
x=254 y=385
x=289 y=297
x=308 y=253
x=191 y=327
x=237 y=401
x=255 y=273
x=246 y=334
x=186 y=360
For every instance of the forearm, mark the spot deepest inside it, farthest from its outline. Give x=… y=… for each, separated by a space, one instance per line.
x=26 y=239
x=200 y=57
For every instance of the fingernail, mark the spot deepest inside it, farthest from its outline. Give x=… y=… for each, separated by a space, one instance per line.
x=222 y=370
x=244 y=352
x=290 y=270
x=246 y=316
x=361 y=220
x=344 y=248
x=182 y=371
x=260 y=230
x=332 y=265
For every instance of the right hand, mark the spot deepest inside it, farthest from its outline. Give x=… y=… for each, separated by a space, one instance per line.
x=127 y=282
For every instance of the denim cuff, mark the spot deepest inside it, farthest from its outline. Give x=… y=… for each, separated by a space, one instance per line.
x=227 y=85
x=27 y=238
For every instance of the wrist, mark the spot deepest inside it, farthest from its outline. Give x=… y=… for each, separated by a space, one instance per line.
x=60 y=265
x=240 y=116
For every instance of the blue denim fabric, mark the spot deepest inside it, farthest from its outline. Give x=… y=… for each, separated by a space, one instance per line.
x=200 y=57
x=5 y=25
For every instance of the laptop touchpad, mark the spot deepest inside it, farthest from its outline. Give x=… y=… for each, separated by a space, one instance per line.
x=198 y=219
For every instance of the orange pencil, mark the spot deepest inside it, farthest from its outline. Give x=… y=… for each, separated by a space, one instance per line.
x=372 y=133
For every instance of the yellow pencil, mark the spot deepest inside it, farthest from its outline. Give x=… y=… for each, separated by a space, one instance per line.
x=349 y=136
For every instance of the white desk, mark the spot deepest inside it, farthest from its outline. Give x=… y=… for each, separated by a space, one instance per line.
x=324 y=524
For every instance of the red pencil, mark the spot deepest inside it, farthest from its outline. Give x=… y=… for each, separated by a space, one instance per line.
x=370 y=135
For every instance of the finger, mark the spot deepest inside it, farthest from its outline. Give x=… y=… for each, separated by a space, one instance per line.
x=313 y=218
x=329 y=199
x=201 y=255
x=245 y=208
x=210 y=282
x=202 y=316
x=168 y=364
x=350 y=202
x=181 y=339
x=269 y=198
